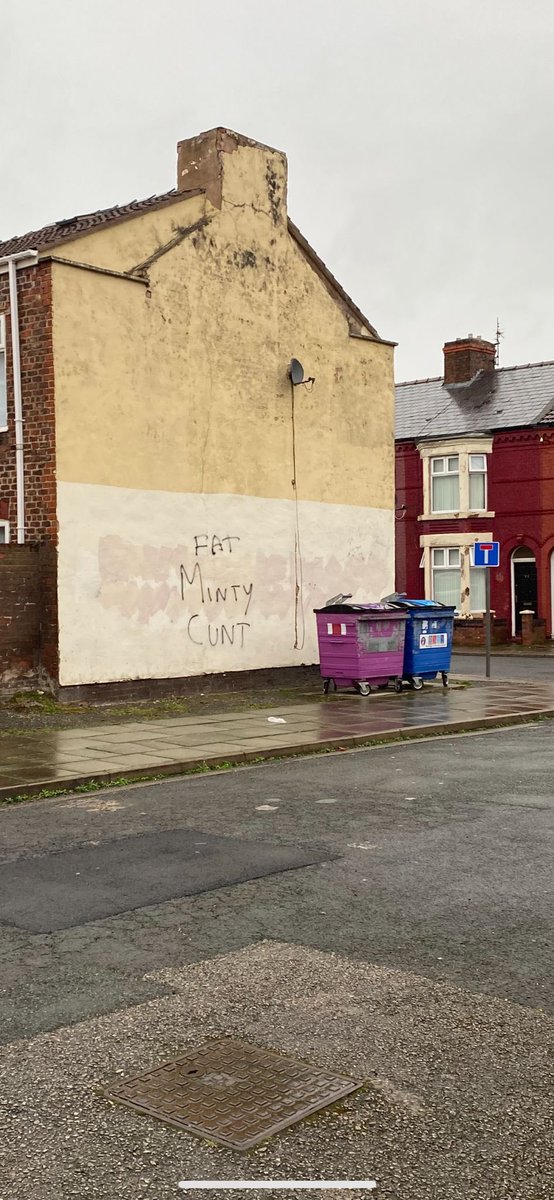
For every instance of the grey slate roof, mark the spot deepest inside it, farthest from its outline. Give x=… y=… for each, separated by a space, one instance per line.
x=507 y=398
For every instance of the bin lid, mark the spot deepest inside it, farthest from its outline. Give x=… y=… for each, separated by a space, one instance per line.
x=424 y=605
x=355 y=608
x=365 y=610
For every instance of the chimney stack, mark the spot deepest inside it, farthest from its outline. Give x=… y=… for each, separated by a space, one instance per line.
x=235 y=170
x=465 y=357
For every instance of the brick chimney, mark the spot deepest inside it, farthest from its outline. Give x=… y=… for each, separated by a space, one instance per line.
x=465 y=357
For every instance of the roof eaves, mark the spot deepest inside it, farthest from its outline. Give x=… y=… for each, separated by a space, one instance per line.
x=333 y=285
x=63 y=234
x=412 y=382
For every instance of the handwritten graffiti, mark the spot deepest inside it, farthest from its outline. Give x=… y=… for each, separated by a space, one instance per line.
x=213 y=600
x=217 y=634
x=214 y=544
x=209 y=594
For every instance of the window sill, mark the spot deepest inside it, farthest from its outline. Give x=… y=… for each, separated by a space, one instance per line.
x=473 y=513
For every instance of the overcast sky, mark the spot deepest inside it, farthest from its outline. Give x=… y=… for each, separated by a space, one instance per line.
x=419 y=135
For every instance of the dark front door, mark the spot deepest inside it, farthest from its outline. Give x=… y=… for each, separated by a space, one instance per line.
x=525 y=589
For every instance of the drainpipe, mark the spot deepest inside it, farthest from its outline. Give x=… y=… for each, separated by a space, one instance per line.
x=26 y=257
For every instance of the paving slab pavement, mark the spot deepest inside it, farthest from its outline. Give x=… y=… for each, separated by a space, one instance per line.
x=50 y=759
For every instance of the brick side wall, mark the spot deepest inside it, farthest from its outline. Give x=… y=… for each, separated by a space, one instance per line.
x=37 y=386
x=20 y=613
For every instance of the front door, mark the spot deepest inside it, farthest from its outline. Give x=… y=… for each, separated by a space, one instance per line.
x=525 y=589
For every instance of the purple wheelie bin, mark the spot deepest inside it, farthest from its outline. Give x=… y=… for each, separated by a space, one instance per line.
x=361 y=645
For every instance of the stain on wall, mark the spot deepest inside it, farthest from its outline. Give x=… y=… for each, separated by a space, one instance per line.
x=184 y=585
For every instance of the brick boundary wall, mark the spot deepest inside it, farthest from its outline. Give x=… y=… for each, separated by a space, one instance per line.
x=471 y=631
x=533 y=630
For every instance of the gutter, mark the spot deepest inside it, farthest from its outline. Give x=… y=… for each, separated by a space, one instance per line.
x=11 y=261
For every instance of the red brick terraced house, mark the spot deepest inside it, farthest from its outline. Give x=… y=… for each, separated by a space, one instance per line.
x=474 y=462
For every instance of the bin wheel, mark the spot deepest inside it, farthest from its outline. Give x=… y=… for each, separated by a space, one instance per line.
x=444 y=678
x=327 y=685
x=417 y=683
x=364 y=689
x=398 y=685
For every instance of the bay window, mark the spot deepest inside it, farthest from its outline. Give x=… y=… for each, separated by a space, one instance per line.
x=449 y=576
x=454 y=480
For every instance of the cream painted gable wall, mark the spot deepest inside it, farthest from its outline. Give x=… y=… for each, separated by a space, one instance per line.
x=174 y=416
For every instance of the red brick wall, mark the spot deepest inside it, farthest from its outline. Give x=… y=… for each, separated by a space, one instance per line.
x=37 y=386
x=471 y=632
x=521 y=495
x=20 y=613
x=409 y=491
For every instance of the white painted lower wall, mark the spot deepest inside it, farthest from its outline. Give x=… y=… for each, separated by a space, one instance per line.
x=162 y=584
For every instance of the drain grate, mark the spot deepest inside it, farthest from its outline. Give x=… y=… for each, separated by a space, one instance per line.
x=231 y=1092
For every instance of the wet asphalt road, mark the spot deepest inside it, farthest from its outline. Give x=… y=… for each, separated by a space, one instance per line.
x=439 y=877
x=445 y=868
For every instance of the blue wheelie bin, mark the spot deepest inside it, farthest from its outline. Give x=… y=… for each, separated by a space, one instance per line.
x=428 y=644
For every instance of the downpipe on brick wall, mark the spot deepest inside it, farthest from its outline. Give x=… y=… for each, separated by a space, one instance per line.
x=11 y=262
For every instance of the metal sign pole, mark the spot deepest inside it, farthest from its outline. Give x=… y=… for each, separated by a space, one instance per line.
x=488 y=622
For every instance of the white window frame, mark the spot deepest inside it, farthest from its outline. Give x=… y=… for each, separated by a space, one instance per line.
x=5 y=526
x=465 y=448
x=447 y=551
x=445 y=566
x=474 y=471
x=435 y=474
x=4 y=425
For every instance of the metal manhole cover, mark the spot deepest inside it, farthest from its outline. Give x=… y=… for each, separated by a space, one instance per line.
x=231 y=1092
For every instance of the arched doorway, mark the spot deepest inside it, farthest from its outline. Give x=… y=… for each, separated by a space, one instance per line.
x=524 y=585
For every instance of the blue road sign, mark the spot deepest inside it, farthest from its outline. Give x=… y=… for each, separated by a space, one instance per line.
x=486 y=554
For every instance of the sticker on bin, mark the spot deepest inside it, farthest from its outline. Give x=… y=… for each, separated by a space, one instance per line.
x=336 y=630
x=428 y=641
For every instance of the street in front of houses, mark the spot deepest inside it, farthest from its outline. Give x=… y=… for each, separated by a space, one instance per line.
x=384 y=915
